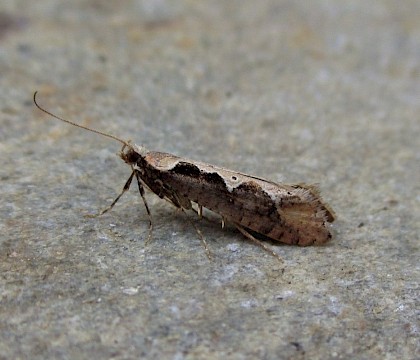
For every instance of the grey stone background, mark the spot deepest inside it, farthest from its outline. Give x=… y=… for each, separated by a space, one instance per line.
x=295 y=91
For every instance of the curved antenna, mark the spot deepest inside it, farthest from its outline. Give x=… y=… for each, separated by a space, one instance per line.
x=78 y=125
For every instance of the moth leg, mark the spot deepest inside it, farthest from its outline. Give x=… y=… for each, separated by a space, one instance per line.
x=182 y=204
x=125 y=188
x=199 y=213
x=200 y=235
x=141 y=190
x=258 y=242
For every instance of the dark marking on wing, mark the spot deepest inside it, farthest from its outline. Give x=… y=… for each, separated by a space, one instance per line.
x=255 y=199
x=187 y=169
x=249 y=187
x=214 y=178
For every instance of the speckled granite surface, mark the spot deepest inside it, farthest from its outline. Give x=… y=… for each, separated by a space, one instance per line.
x=317 y=92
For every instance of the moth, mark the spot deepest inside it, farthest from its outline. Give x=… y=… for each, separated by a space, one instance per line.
x=260 y=209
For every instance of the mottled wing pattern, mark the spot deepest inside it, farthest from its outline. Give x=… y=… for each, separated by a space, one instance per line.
x=293 y=214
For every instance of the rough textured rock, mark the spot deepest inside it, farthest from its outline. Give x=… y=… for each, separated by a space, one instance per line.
x=315 y=92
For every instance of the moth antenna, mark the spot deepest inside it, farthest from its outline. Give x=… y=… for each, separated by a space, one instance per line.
x=78 y=125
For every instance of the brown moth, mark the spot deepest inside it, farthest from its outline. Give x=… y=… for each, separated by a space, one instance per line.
x=291 y=214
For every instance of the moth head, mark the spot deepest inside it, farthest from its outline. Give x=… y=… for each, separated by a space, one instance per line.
x=131 y=153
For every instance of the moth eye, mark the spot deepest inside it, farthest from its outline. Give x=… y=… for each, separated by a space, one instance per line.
x=234 y=178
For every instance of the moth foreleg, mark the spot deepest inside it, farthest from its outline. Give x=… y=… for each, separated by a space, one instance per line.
x=141 y=190
x=125 y=188
x=258 y=242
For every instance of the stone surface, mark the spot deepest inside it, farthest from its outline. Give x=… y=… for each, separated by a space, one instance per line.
x=317 y=92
